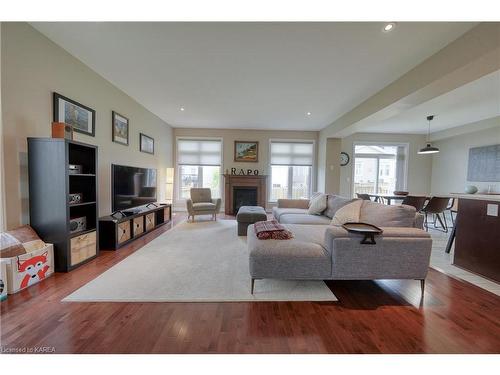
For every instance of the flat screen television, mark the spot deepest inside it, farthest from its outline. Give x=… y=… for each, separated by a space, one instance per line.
x=132 y=186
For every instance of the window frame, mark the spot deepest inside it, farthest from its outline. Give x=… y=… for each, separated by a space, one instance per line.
x=177 y=179
x=312 y=176
x=375 y=143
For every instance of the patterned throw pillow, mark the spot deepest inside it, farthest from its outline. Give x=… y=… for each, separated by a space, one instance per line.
x=317 y=204
x=349 y=213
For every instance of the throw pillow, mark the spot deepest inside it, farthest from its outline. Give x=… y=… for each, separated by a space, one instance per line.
x=317 y=204
x=313 y=196
x=348 y=213
x=334 y=203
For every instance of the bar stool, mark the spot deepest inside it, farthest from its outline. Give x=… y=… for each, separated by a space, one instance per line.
x=453 y=208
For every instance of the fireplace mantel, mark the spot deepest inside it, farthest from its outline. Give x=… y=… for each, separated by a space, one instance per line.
x=231 y=181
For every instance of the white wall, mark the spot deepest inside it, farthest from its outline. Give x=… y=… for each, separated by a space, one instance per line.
x=449 y=166
x=32 y=68
x=419 y=166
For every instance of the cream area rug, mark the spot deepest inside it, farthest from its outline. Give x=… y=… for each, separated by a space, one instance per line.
x=203 y=261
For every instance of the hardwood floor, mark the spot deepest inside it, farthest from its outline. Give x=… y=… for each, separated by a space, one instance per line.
x=370 y=317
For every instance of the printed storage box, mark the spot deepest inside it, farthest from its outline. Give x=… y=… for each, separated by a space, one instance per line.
x=28 y=269
x=3 y=281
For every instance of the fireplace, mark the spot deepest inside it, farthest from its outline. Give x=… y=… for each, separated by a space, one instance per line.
x=244 y=196
x=240 y=190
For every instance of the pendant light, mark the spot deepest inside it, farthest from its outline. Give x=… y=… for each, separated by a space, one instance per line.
x=429 y=149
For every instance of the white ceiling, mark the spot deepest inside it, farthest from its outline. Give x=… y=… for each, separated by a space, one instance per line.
x=251 y=75
x=475 y=101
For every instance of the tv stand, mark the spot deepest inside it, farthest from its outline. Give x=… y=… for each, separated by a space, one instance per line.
x=123 y=227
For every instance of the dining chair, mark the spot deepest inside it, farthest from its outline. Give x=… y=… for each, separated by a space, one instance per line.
x=415 y=201
x=436 y=206
x=363 y=196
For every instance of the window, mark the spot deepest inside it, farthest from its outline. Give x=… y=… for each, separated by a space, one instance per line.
x=379 y=169
x=199 y=165
x=291 y=170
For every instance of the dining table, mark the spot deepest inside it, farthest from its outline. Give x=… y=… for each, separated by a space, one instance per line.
x=392 y=197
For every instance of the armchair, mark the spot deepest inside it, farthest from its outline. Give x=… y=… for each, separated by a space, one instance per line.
x=201 y=203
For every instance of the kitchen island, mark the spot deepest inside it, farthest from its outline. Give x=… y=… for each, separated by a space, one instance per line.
x=477 y=234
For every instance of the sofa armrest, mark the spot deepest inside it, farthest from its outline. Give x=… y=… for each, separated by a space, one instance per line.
x=293 y=203
x=217 y=202
x=399 y=253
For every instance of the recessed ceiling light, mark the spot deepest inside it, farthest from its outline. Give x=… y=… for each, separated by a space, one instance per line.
x=308 y=113
x=182 y=108
x=389 y=26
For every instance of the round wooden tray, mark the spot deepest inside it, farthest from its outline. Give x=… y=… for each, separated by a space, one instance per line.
x=368 y=230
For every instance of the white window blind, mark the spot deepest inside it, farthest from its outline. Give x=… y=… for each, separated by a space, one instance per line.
x=292 y=153
x=199 y=152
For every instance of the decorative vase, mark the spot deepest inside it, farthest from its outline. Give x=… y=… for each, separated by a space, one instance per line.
x=471 y=189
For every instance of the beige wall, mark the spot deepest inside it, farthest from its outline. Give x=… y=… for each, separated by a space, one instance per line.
x=230 y=135
x=332 y=166
x=32 y=68
x=449 y=166
x=419 y=166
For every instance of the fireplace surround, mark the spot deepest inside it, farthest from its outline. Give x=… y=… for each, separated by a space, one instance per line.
x=242 y=190
x=244 y=196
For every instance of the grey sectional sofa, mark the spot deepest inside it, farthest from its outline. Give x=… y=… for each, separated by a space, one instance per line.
x=321 y=251
x=294 y=211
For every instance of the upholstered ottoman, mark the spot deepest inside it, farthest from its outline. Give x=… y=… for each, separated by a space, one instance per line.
x=249 y=215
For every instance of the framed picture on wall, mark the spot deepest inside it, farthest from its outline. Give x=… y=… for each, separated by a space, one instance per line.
x=147 y=144
x=80 y=117
x=246 y=151
x=120 y=129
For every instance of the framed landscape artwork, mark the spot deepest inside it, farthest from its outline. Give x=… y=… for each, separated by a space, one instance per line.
x=147 y=144
x=246 y=151
x=80 y=117
x=120 y=129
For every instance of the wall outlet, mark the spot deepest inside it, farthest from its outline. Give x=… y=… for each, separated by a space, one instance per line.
x=492 y=210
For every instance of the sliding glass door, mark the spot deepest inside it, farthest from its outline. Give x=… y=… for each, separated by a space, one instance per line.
x=379 y=169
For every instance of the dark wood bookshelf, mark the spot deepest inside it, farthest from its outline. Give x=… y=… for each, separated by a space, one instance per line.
x=81 y=204
x=50 y=184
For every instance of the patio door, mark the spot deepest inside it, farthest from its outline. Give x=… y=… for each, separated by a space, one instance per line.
x=379 y=168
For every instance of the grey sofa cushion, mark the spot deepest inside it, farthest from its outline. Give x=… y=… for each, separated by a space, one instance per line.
x=383 y=215
x=334 y=202
x=203 y=206
x=277 y=212
x=303 y=257
x=304 y=219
